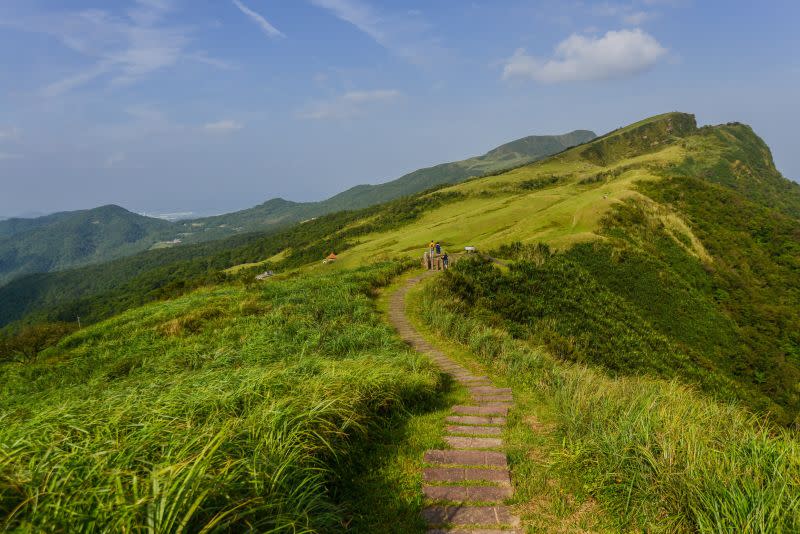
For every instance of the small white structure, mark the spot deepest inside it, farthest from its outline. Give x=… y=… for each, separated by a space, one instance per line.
x=264 y=275
x=469 y=250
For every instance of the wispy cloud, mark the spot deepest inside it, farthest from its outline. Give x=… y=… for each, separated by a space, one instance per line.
x=69 y=83
x=8 y=156
x=633 y=13
x=348 y=105
x=123 y=47
x=637 y=18
x=380 y=95
x=223 y=126
x=617 y=54
x=403 y=33
x=9 y=132
x=263 y=23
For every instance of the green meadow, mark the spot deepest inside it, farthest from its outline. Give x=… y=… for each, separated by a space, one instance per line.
x=593 y=451
x=231 y=408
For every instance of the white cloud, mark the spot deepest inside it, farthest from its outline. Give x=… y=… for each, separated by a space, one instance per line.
x=348 y=105
x=405 y=34
x=8 y=156
x=263 y=23
x=123 y=48
x=617 y=54
x=357 y=13
x=223 y=126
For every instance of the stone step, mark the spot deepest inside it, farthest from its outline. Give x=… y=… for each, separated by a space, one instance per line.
x=494 y=494
x=493 y=398
x=470 y=383
x=475 y=420
x=469 y=515
x=477 y=458
x=481 y=410
x=491 y=390
x=460 y=474
x=469 y=442
x=474 y=430
x=501 y=404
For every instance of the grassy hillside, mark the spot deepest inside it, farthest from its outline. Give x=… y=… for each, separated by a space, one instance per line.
x=703 y=273
x=70 y=239
x=232 y=408
x=649 y=304
x=98 y=291
x=649 y=454
x=75 y=238
x=278 y=212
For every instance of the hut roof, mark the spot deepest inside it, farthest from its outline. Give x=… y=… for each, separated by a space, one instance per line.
x=331 y=256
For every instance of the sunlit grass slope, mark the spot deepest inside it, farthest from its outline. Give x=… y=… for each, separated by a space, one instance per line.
x=654 y=455
x=685 y=237
x=560 y=200
x=231 y=408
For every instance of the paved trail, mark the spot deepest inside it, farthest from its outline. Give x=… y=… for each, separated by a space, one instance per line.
x=464 y=485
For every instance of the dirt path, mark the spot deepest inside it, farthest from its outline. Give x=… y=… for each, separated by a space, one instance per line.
x=464 y=485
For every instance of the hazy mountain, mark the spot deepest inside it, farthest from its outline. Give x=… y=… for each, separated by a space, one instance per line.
x=75 y=238
x=278 y=212
x=69 y=239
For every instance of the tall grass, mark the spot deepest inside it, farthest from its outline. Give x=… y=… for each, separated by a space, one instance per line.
x=656 y=454
x=228 y=409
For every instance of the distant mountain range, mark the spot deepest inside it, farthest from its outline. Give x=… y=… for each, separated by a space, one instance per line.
x=69 y=239
x=278 y=212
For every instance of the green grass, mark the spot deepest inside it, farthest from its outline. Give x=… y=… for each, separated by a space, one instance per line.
x=654 y=455
x=547 y=499
x=231 y=408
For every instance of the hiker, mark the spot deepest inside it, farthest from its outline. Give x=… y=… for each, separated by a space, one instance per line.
x=445 y=260
x=431 y=248
x=438 y=248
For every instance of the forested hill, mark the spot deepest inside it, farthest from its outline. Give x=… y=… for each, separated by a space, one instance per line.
x=70 y=239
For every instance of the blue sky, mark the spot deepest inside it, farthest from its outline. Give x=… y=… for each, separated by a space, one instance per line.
x=215 y=105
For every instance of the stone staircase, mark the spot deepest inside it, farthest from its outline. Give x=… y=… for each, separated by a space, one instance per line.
x=466 y=484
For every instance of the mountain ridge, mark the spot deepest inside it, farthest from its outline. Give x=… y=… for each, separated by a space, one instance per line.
x=278 y=212
x=26 y=254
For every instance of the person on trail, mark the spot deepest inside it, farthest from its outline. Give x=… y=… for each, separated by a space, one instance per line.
x=438 y=248
x=445 y=260
x=431 y=248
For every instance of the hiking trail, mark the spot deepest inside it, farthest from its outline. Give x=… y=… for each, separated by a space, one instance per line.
x=465 y=484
